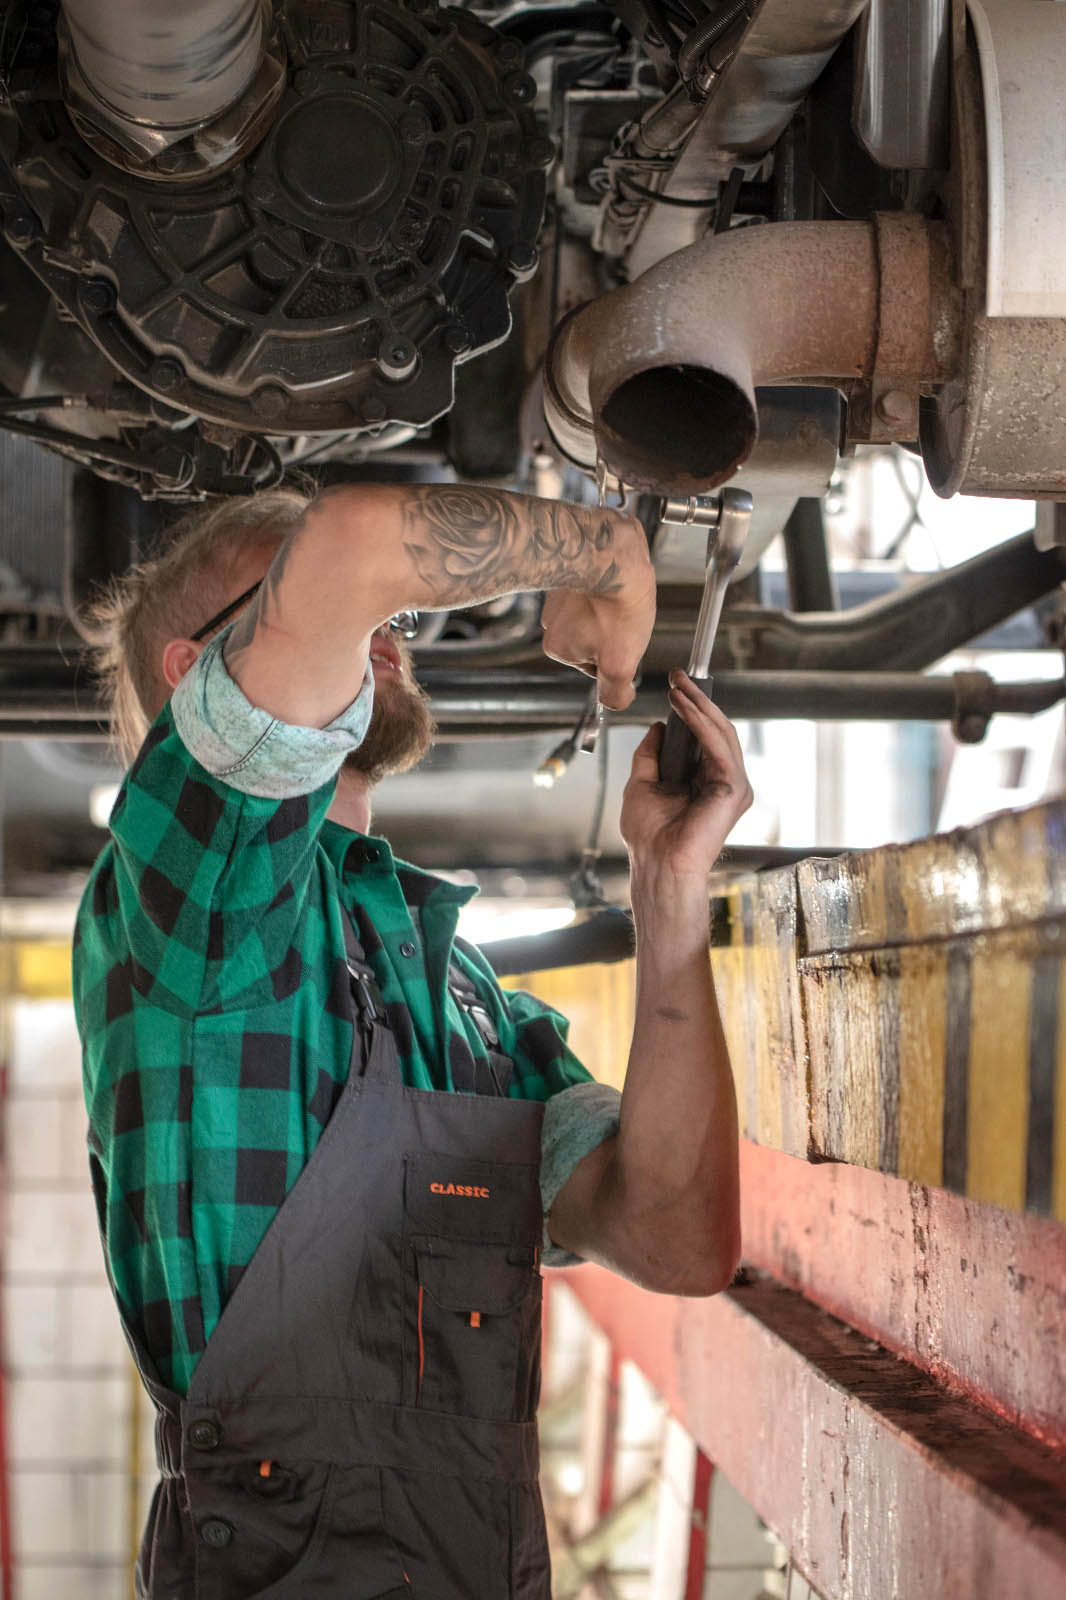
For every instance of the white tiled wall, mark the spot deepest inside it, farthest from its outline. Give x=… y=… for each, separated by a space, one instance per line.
x=71 y=1390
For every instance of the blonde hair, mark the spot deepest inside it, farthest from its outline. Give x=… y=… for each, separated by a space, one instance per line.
x=172 y=593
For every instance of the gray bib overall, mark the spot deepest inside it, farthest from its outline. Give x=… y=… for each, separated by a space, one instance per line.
x=361 y=1424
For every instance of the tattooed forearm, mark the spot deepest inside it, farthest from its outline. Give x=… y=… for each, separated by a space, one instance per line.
x=468 y=544
x=265 y=605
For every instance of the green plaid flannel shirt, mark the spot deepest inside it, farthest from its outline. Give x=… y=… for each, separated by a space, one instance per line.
x=211 y=989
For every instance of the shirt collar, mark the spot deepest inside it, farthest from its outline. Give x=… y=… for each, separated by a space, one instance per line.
x=337 y=841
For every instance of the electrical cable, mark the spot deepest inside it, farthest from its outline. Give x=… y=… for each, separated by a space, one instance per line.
x=586 y=886
x=662 y=25
x=914 y=517
x=42 y=402
x=556 y=761
x=647 y=193
x=727 y=204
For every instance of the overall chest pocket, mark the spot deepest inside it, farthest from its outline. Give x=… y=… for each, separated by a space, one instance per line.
x=473 y=1291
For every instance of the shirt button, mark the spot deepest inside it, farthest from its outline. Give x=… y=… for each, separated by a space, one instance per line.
x=372 y=853
x=407 y=948
x=205 y=1434
x=216 y=1533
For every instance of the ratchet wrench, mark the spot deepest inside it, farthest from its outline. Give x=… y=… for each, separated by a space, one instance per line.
x=728 y=521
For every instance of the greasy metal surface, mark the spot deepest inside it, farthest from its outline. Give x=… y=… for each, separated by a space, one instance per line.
x=796 y=454
x=724 y=551
x=748 y=107
x=999 y=427
x=904 y=82
x=657 y=378
x=1021 y=47
x=157 y=62
x=882 y=1484
x=973 y=1294
x=512 y=703
x=917 y=625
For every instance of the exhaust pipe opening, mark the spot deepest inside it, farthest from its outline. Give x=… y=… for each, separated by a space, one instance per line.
x=685 y=425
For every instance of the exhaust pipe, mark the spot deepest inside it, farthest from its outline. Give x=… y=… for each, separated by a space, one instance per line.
x=656 y=380
x=162 y=65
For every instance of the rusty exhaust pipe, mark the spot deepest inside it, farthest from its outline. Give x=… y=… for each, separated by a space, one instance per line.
x=657 y=379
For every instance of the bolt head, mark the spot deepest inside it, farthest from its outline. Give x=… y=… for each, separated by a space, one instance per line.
x=369 y=235
x=971 y=728
x=22 y=226
x=522 y=260
x=414 y=128
x=397 y=358
x=263 y=189
x=520 y=88
x=895 y=405
x=97 y=296
x=457 y=339
x=165 y=374
x=270 y=403
x=540 y=152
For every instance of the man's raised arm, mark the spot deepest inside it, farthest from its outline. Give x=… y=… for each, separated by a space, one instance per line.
x=660 y=1202
x=360 y=554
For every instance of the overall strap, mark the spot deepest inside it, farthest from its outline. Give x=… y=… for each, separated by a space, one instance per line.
x=374 y=1052
x=500 y=1066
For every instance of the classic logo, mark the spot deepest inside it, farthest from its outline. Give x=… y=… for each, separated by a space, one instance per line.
x=470 y=1191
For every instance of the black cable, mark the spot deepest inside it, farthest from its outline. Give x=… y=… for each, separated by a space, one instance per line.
x=41 y=402
x=727 y=204
x=663 y=27
x=592 y=843
x=272 y=474
x=99 y=449
x=586 y=885
x=647 y=193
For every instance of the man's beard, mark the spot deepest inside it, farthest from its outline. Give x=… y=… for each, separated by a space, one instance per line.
x=401 y=729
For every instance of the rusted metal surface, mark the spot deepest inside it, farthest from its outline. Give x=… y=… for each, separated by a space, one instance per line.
x=973 y=1294
x=880 y=1482
x=999 y=426
x=657 y=378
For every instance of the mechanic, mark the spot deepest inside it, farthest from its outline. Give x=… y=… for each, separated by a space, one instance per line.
x=326 y=1267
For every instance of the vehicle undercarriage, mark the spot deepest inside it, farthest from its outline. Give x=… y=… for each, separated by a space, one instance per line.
x=642 y=250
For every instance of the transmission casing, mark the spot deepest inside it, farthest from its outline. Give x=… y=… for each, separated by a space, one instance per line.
x=331 y=279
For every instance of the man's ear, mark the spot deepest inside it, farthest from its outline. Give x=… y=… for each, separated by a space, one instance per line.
x=178 y=657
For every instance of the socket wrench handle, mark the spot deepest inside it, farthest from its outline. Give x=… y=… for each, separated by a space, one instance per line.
x=679 y=756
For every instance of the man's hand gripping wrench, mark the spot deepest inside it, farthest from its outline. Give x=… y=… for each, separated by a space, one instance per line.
x=727 y=516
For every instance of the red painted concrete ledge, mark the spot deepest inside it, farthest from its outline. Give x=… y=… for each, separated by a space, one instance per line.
x=883 y=1484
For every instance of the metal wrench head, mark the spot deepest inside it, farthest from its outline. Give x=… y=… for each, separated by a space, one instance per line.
x=724 y=549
